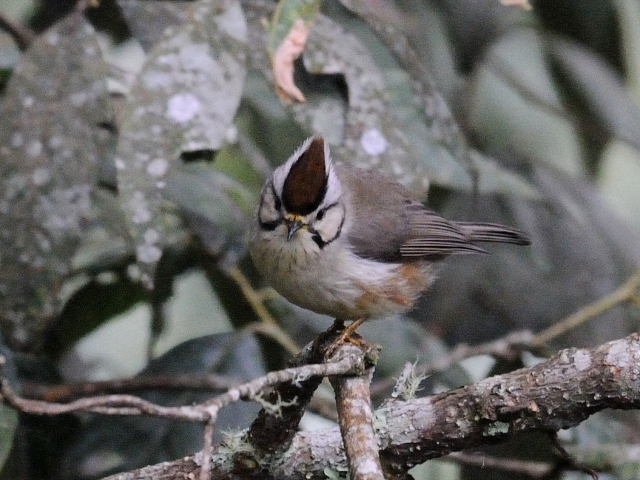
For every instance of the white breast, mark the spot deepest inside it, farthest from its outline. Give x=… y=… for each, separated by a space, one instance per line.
x=333 y=280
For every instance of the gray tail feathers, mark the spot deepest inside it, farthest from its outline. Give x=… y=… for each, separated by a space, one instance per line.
x=493 y=232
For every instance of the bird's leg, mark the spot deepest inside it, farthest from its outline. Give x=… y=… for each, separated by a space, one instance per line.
x=346 y=334
x=337 y=327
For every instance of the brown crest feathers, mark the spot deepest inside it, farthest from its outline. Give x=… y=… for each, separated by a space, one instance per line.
x=306 y=183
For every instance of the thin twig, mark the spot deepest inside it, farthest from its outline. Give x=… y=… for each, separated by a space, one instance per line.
x=624 y=293
x=132 y=405
x=22 y=35
x=522 y=467
x=252 y=296
x=506 y=347
x=207 y=451
x=555 y=440
x=295 y=374
x=256 y=300
x=509 y=347
x=276 y=333
x=69 y=391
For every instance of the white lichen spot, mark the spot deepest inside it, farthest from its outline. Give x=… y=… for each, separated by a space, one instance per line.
x=148 y=253
x=64 y=210
x=55 y=142
x=497 y=428
x=34 y=148
x=157 y=167
x=620 y=356
x=368 y=466
x=231 y=134
x=41 y=176
x=139 y=209
x=78 y=99
x=373 y=142
x=120 y=163
x=133 y=272
x=183 y=107
x=151 y=236
x=582 y=360
x=53 y=38
x=28 y=102
x=106 y=278
x=17 y=140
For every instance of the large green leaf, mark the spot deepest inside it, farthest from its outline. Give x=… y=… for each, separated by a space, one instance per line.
x=184 y=100
x=600 y=87
x=51 y=142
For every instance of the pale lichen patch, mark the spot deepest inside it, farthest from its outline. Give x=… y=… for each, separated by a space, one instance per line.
x=582 y=360
x=373 y=142
x=183 y=107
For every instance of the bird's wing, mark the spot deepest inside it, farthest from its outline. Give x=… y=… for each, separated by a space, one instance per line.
x=377 y=202
x=430 y=235
x=392 y=226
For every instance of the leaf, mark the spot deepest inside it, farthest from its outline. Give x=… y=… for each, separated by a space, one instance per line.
x=514 y=104
x=216 y=208
x=148 y=20
x=618 y=181
x=629 y=18
x=51 y=143
x=382 y=127
x=111 y=444
x=372 y=137
x=601 y=88
x=184 y=100
x=288 y=32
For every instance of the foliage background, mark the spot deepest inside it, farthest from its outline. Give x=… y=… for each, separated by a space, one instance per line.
x=527 y=118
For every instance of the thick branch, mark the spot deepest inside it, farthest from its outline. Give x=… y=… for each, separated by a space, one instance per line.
x=556 y=394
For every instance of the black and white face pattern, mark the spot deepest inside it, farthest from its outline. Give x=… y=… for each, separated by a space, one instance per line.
x=304 y=195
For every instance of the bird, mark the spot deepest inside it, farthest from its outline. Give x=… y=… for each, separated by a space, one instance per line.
x=352 y=243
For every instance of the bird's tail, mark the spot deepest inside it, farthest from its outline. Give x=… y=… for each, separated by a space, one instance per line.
x=493 y=232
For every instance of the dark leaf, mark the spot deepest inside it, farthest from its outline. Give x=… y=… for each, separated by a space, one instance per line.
x=50 y=147
x=600 y=87
x=110 y=445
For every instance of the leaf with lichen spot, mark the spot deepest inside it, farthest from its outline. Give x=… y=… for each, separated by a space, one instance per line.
x=373 y=139
x=51 y=142
x=287 y=36
x=184 y=100
x=393 y=121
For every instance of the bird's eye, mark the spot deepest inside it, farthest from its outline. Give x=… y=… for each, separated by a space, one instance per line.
x=320 y=214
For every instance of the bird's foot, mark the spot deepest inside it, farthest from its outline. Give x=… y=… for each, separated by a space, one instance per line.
x=348 y=334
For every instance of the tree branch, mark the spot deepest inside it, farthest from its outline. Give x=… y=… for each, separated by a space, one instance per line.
x=558 y=393
x=353 y=401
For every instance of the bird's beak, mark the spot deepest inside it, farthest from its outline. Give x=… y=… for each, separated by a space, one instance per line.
x=293 y=225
